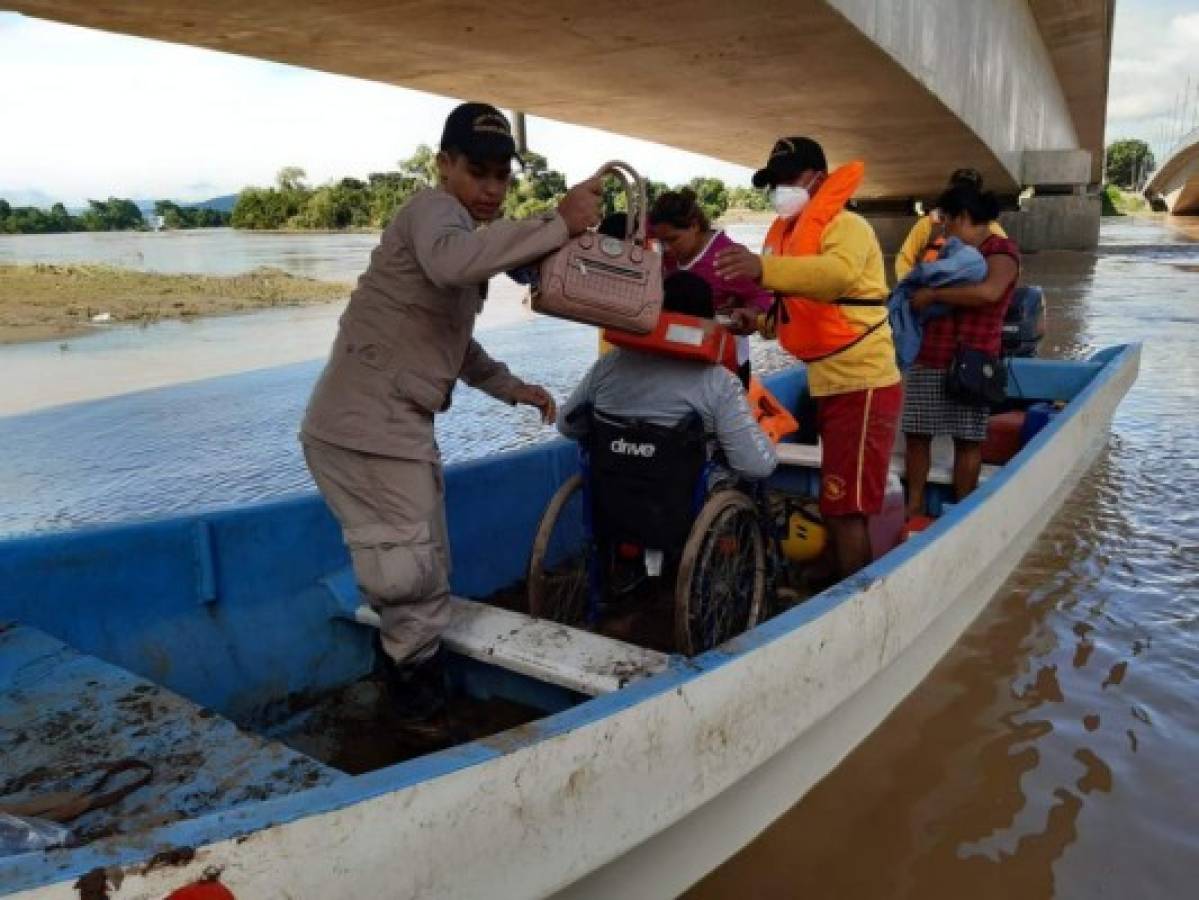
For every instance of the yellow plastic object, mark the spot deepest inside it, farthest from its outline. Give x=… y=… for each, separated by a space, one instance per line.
x=806 y=535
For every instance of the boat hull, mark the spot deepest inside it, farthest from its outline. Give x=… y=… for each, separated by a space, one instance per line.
x=645 y=790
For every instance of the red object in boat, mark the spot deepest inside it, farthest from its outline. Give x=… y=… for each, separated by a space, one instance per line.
x=1003 y=437
x=202 y=890
x=628 y=551
x=915 y=525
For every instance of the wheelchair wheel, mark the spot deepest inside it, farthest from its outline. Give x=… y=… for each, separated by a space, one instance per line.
x=558 y=568
x=722 y=580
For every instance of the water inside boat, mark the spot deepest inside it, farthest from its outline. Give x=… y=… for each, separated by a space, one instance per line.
x=178 y=669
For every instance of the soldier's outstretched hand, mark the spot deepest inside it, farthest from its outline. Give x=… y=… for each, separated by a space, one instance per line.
x=536 y=395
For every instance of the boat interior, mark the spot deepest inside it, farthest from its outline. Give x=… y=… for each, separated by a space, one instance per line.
x=185 y=669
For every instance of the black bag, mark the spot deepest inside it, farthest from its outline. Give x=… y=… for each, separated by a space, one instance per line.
x=976 y=378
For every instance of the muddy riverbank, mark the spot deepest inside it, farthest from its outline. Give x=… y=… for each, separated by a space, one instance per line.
x=46 y=301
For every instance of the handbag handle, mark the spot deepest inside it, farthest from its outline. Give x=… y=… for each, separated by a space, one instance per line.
x=637 y=202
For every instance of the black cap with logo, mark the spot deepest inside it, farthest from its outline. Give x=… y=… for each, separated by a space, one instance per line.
x=789 y=157
x=479 y=131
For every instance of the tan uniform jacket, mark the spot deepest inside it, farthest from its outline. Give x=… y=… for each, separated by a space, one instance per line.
x=406 y=335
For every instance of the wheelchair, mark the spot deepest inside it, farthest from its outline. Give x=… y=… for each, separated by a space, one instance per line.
x=643 y=506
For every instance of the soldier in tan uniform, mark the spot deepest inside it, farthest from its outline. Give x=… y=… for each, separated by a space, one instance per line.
x=403 y=341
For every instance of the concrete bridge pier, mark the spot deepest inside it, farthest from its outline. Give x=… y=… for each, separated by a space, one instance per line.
x=1057 y=209
x=1062 y=212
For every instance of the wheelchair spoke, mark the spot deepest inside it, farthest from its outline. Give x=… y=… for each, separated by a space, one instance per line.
x=566 y=589
x=728 y=579
x=559 y=577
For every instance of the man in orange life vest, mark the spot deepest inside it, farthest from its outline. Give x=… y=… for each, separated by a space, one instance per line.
x=826 y=268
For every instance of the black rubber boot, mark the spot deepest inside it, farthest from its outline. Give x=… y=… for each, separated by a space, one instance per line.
x=419 y=692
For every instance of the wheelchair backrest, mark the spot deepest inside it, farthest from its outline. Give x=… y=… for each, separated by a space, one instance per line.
x=645 y=479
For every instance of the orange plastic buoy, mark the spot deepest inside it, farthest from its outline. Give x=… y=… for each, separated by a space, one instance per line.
x=202 y=890
x=773 y=418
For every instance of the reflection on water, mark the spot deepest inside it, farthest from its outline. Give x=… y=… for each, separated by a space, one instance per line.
x=1051 y=753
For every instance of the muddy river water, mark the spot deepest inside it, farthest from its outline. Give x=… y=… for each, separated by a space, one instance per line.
x=1052 y=752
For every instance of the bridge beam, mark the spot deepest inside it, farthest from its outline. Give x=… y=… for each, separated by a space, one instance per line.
x=916 y=88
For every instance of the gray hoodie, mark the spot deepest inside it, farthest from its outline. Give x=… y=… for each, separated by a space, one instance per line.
x=662 y=391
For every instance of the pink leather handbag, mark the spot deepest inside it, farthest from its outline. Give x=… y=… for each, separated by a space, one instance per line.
x=606 y=281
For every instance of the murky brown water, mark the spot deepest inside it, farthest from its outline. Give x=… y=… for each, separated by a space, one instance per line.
x=1054 y=751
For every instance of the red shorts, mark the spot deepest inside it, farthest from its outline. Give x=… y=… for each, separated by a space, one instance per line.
x=857 y=431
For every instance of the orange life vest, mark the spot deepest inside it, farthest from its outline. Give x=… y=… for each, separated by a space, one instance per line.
x=813 y=329
x=932 y=250
x=772 y=417
x=682 y=337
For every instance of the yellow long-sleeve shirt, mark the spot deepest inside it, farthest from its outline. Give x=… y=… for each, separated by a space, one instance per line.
x=917 y=240
x=849 y=265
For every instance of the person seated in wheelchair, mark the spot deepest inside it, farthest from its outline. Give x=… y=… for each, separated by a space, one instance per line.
x=654 y=424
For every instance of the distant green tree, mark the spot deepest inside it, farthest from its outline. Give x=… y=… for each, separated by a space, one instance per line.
x=712 y=196
x=388 y=191
x=748 y=198
x=535 y=190
x=421 y=166
x=171 y=214
x=113 y=214
x=204 y=217
x=614 y=198
x=1127 y=161
x=62 y=221
x=291 y=178
x=655 y=189
x=260 y=209
x=175 y=216
x=336 y=206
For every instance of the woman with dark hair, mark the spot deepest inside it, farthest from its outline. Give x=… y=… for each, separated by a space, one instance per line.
x=689 y=243
x=975 y=321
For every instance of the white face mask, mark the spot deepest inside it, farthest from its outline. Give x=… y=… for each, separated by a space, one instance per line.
x=789 y=200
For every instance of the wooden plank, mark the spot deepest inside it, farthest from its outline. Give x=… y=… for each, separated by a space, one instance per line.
x=548 y=651
x=940 y=472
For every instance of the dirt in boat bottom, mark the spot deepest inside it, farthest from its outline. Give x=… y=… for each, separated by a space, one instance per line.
x=355 y=730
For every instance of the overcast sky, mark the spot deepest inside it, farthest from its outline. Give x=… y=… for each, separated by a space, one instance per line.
x=88 y=114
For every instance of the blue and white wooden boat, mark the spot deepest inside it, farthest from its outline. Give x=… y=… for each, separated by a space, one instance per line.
x=645 y=771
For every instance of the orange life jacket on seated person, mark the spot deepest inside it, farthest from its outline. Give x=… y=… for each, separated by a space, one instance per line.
x=682 y=337
x=811 y=329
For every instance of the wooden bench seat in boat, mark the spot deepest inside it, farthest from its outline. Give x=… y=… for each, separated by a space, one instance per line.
x=64 y=715
x=940 y=472
x=579 y=660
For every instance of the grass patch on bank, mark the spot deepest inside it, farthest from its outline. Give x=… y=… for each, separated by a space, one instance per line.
x=43 y=302
x=1117 y=202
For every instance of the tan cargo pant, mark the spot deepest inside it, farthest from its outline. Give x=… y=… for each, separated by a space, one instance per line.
x=392 y=515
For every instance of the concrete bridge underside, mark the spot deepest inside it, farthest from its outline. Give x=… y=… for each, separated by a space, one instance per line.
x=1177 y=179
x=914 y=87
